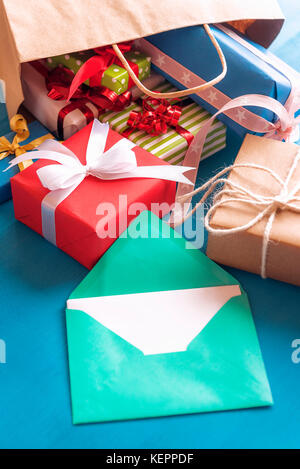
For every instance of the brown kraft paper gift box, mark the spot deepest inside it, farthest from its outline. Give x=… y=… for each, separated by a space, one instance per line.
x=243 y=250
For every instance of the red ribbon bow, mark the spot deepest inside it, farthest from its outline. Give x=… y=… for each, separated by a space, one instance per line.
x=94 y=68
x=58 y=83
x=156 y=116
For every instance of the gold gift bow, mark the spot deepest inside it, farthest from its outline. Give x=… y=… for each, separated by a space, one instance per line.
x=18 y=124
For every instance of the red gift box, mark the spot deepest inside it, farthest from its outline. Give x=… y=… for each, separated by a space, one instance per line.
x=76 y=217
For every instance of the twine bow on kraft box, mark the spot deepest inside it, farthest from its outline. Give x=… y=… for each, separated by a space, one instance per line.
x=254 y=222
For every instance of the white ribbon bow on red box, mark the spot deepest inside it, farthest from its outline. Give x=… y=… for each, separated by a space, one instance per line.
x=119 y=162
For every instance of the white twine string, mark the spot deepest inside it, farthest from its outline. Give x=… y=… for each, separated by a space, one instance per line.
x=267 y=205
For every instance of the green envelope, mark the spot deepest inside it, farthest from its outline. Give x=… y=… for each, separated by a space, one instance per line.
x=156 y=329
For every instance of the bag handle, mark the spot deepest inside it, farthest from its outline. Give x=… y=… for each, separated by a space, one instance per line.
x=182 y=93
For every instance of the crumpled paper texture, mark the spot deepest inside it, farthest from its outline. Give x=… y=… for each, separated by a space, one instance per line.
x=40 y=29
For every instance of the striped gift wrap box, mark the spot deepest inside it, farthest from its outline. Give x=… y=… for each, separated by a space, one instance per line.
x=171 y=146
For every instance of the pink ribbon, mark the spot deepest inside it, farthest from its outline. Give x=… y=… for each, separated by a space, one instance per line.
x=282 y=128
x=217 y=99
x=286 y=127
x=293 y=102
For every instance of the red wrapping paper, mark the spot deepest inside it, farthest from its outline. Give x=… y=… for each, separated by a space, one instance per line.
x=76 y=218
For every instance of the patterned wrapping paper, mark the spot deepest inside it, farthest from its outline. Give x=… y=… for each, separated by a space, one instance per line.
x=115 y=77
x=251 y=69
x=46 y=110
x=170 y=146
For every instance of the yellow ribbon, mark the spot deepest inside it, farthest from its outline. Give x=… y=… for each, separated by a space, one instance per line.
x=18 y=124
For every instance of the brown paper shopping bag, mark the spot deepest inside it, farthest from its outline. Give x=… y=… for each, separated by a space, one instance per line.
x=39 y=29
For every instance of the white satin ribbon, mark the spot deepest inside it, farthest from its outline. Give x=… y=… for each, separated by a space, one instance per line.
x=119 y=162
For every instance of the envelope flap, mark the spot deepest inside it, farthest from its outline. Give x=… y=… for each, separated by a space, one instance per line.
x=174 y=346
x=111 y=380
x=150 y=256
x=158 y=322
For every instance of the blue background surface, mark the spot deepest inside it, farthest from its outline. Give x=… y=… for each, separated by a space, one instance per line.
x=36 y=279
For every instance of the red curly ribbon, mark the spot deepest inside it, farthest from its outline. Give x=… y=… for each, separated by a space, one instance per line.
x=94 y=68
x=155 y=117
x=58 y=83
